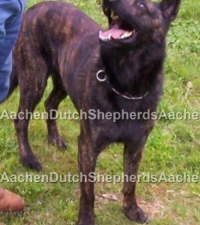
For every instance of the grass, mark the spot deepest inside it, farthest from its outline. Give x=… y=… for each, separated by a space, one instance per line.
x=172 y=148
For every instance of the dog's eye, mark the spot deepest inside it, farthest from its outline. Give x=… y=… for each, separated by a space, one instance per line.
x=141 y=5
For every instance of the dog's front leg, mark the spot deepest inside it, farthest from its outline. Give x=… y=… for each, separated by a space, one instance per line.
x=132 y=156
x=87 y=162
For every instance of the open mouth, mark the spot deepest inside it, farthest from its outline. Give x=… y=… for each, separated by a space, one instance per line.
x=119 y=30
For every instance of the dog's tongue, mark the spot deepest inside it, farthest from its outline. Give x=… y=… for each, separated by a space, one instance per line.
x=115 y=33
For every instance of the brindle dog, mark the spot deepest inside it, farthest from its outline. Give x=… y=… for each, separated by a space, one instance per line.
x=117 y=70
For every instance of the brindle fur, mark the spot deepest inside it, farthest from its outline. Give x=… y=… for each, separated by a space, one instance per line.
x=59 y=40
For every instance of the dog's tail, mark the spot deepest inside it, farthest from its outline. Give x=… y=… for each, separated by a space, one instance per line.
x=13 y=82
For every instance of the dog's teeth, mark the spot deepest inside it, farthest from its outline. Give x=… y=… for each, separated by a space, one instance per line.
x=130 y=33
x=114 y=16
x=109 y=36
x=104 y=38
x=125 y=35
x=122 y=36
x=100 y=35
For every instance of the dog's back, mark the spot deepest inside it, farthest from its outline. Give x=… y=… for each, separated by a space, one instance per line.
x=58 y=34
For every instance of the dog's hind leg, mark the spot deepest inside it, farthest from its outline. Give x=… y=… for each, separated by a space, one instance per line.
x=132 y=157
x=32 y=83
x=51 y=104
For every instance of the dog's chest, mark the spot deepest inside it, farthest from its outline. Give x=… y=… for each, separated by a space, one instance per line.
x=105 y=132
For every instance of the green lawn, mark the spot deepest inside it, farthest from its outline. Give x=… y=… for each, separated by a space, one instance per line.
x=173 y=147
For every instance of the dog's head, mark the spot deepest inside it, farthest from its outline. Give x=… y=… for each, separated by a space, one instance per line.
x=133 y=21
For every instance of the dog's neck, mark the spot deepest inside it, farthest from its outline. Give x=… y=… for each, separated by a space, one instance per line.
x=133 y=72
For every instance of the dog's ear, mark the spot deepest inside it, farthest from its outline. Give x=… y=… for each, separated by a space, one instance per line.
x=170 y=8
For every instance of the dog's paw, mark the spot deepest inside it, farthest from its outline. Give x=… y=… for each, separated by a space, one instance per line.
x=59 y=142
x=85 y=222
x=136 y=214
x=85 y=218
x=31 y=162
